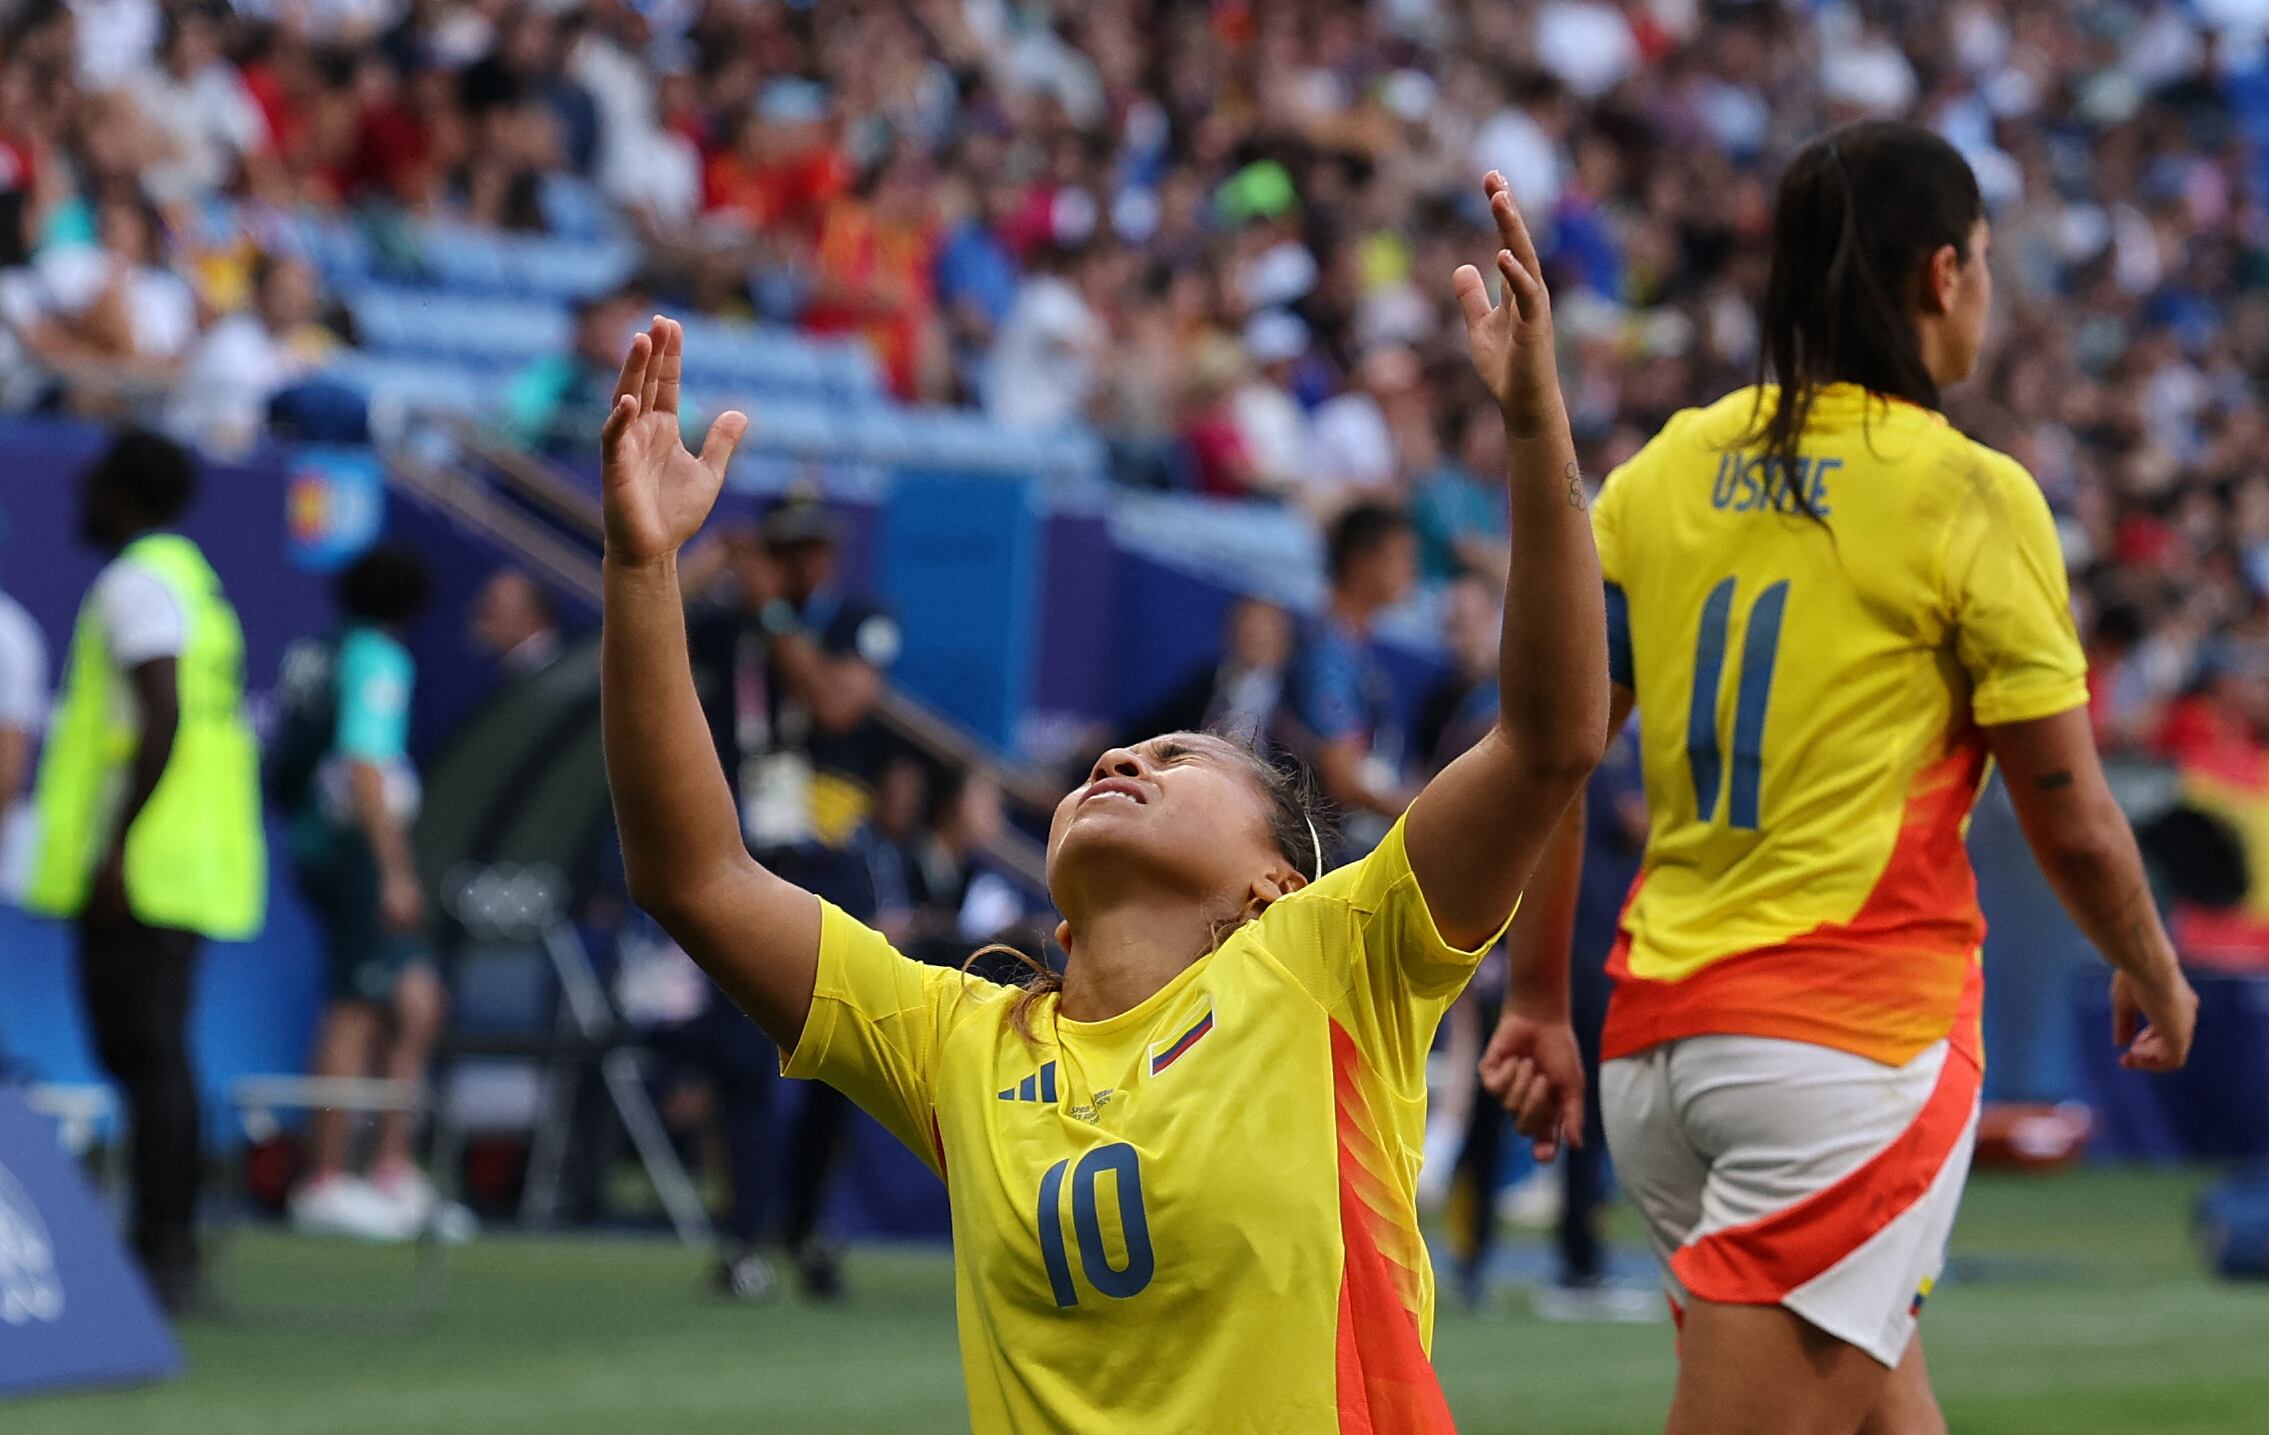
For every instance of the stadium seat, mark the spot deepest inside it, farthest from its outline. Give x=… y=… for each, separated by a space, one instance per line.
x=526 y=266
x=461 y=327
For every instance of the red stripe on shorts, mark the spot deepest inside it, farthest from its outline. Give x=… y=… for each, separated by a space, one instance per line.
x=1760 y=1262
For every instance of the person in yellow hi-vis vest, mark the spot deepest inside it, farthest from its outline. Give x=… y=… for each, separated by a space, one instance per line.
x=149 y=813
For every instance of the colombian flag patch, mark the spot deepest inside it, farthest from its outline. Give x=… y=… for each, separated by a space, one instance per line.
x=1166 y=1053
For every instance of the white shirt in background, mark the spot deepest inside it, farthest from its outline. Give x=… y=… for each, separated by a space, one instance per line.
x=220 y=402
x=115 y=38
x=209 y=119
x=1351 y=446
x=1043 y=369
x=23 y=707
x=159 y=307
x=141 y=622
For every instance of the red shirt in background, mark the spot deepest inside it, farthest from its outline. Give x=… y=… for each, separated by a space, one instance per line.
x=790 y=193
x=1217 y=447
x=877 y=279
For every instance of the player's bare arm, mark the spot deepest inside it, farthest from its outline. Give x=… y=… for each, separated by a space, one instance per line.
x=756 y=935
x=1532 y=1063
x=1476 y=830
x=2088 y=853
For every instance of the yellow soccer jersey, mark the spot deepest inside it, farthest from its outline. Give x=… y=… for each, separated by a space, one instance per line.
x=1197 y=1215
x=1809 y=700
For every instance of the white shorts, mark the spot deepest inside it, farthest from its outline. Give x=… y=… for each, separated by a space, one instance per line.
x=1775 y=1172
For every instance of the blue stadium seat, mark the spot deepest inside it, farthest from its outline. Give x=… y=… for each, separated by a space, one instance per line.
x=415 y=383
x=724 y=353
x=530 y=266
x=449 y=325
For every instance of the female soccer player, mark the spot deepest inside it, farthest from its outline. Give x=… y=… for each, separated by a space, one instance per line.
x=1831 y=609
x=1181 y=1180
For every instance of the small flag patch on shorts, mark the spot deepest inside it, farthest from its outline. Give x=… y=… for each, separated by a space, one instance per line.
x=1922 y=1293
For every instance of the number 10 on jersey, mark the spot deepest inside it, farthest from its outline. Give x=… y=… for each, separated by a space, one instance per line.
x=1123 y=1163
x=1760 y=649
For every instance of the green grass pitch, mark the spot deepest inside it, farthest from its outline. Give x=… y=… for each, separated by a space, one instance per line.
x=2076 y=1306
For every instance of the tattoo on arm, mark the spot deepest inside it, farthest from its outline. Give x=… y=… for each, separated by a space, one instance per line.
x=2052 y=781
x=1575 y=486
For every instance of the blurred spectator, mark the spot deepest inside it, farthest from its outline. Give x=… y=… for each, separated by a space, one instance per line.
x=777 y=168
x=1237 y=695
x=112 y=316
x=1352 y=457
x=1339 y=711
x=558 y=404
x=203 y=120
x=889 y=840
x=1271 y=422
x=1045 y=365
x=23 y=711
x=952 y=903
x=149 y=821
x=1463 y=706
x=515 y=622
x=249 y=358
x=873 y=275
x=1461 y=509
x=343 y=771
x=1221 y=460
x=976 y=272
x=791 y=669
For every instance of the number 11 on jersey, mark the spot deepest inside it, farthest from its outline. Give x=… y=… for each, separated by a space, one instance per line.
x=1760 y=650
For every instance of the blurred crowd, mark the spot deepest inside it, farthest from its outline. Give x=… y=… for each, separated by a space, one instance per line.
x=1219 y=231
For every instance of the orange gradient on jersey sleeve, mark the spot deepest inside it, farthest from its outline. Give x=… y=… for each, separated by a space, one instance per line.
x=1883 y=985
x=1385 y=1381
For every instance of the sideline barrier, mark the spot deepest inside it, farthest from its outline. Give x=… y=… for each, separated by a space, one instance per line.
x=73 y=1309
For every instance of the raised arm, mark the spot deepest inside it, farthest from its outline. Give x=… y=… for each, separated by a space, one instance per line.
x=1475 y=833
x=756 y=935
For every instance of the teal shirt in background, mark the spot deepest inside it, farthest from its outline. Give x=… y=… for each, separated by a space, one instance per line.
x=372 y=682
x=1451 y=504
x=376 y=674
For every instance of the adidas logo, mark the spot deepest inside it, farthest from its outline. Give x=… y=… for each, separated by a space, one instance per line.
x=1039 y=1086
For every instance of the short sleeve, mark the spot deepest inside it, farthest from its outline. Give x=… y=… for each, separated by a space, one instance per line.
x=2011 y=608
x=877 y=1027
x=1363 y=943
x=1607 y=537
x=141 y=619
x=1400 y=940
x=374 y=698
x=1606 y=527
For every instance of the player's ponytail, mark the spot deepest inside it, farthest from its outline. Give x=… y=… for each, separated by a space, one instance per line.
x=1857 y=213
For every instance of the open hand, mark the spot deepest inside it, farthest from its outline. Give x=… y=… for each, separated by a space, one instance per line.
x=656 y=492
x=1537 y=1071
x=1511 y=341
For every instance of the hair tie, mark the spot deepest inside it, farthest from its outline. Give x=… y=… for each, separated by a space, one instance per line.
x=1315 y=845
